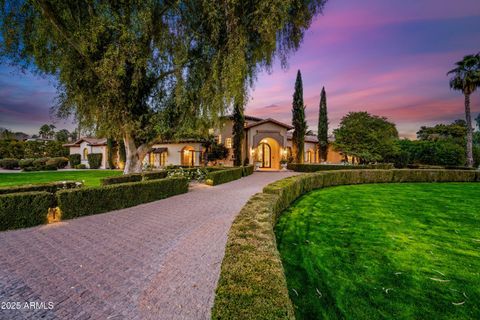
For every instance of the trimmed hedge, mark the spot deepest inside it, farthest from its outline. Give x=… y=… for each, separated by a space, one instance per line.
x=308 y=167
x=247 y=170
x=74 y=159
x=58 y=162
x=9 y=163
x=214 y=178
x=47 y=187
x=134 y=177
x=94 y=160
x=92 y=200
x=25 y=163
x=23 y=210
x=252 y=283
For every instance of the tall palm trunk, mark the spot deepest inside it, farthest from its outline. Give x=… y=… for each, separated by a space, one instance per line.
x=468 y=117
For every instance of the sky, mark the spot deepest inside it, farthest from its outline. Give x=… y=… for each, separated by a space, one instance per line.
x=387 y=57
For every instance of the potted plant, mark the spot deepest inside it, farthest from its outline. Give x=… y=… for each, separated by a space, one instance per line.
x=283 y=164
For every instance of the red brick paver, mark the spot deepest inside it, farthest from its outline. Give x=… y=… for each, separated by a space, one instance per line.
x=160 y=260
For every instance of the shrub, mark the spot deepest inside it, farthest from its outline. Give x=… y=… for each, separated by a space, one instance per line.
x=218 y=177
x=247 y=170
x=326 y=167
x=195 y=173
x=93 y=200
x=24 y=163
x=132 y=177
x=94 y=160
x=74 y=159
x=47 y=187
x=22 y=210
x=80 y=166
x=40 y=162
x=57 y=162
x=154 y=175
x=9 y=163
x=252 y=284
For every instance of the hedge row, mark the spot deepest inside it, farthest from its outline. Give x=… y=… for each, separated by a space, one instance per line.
x=252 y=283
x=22 y=210
x=308 y=167
x=92 y=200
x=248 y=170
x=134 y=177
x=214 y=178
x=47 y=187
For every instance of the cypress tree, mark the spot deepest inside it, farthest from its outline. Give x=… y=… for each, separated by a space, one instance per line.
x=238 y=133
x=323 y=126
x=298 y=121
x=110 y=146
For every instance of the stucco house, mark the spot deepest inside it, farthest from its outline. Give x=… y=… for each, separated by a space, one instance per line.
x=267 y=142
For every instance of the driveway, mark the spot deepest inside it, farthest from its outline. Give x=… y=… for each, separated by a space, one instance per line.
x=159 y=260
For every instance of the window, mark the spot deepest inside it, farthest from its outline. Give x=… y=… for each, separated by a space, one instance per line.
x=85 y=153
x=219 y=139
x=228 y=143
x=163 y=159
x=152 y=159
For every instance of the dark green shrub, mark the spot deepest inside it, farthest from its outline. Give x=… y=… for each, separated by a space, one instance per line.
x=94 y=160
x=49 y=167
x=327 y=167
x=58 y=162
x=132 y=177
x=47 y=187
x=22 y=210
x=40 y=162
x=9 y=163
x=74 y=159
x=24 y=163
x=80 y=166
x=92 y=200
x=252 y=283
x=247 y=170
x=218 y=177
x=400 y=159
x=154 y=175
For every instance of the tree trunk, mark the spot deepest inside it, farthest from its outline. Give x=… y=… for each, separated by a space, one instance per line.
x=468 y=118
x=134 y=155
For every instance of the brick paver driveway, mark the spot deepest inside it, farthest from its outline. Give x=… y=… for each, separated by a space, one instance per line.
x=159 y=260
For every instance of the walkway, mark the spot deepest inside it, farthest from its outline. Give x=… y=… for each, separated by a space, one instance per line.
x=159 y=260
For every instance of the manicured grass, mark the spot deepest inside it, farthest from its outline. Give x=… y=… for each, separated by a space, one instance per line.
x=91 y=177
x=385 y=251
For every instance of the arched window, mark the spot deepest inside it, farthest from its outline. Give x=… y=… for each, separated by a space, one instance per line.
x=85 y=153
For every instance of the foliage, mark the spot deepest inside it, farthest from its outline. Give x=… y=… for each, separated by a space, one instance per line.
x=51 y=187
x=58 y=162
x=222 y=176
x=252 y=283
x=92 y=200
x=80 y=166
x=307 y=167
x=247 y=170
x=214 y=150
x=94 y=160
x=62 y=135
x=441 y=152
x=369 y=138
x=318 y=266
x=466 y=78
x=121 y=152
x=323 y=126
x=455 y=132
x=74 y=159
x=40 y=162
x=192 y=174
x=134 y=177
x=298 y=121
x=23 y=210
x=9 y=163
x=11 y=149
x=129 y=65
x=25 y=163
x=47 y=131
x=238 y=132
x=110 y=153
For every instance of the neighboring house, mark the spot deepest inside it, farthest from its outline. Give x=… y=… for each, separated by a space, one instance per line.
x=85 y=146
x=267 y=142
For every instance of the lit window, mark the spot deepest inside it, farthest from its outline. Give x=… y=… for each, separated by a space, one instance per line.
x=85 y=153
x=219 y=138
x=228 y=143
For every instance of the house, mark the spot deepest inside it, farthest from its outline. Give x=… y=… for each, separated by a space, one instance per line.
x=85 y=146
x=266 y=142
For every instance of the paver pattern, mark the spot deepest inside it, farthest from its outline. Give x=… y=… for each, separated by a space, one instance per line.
x=159 y=260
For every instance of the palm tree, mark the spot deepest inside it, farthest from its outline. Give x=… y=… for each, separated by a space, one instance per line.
x=466 y=78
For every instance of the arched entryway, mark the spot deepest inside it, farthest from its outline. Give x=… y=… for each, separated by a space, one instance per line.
x=188 y=156
x=267 y=154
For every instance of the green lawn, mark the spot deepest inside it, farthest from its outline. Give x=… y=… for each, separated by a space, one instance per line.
x=386 y=251
x=91 y=177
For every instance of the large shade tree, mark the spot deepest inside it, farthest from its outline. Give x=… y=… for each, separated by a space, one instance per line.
x=369 y=138
x=466 y=78
x=137 y=69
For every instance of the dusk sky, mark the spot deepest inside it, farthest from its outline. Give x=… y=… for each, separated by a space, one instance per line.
x=386 y=57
